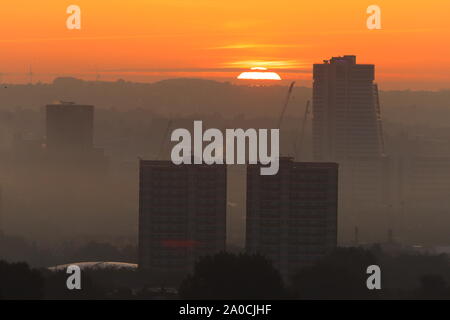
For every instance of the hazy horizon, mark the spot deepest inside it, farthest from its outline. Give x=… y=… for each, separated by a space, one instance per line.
x=233 y=81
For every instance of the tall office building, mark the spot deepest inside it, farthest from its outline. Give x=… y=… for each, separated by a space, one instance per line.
x=346 y=110
x=182 y=214
x=347 y=129
x=292 y=216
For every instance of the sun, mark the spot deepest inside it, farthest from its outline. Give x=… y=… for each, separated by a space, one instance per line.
x=259 y=73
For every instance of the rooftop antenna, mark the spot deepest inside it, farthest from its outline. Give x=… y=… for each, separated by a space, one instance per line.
x=30 y=74
x=163 y=141
x=390 y=236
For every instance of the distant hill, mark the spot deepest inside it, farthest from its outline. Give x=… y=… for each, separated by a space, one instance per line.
x=198 y=96
x=174 y=96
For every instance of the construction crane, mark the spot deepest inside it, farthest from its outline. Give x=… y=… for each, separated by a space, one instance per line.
x=30 y=74
x=300 y=137
x=163 y=141
x=286 y=102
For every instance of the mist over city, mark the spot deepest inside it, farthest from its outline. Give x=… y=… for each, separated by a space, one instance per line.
x=225 y=152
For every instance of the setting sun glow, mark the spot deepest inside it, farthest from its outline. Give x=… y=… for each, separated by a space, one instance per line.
x=259 y=73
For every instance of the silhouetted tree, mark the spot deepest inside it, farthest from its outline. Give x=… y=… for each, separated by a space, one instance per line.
x=339 y=275
x=56 y=287
x=17 y=249
x=403 y=269
x=18 y=281
x=231 y=276
x=433 y=286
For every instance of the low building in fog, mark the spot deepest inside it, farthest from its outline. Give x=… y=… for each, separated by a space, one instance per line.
x=69 y=140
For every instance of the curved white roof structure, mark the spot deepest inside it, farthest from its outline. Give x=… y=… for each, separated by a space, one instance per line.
x=96 y=265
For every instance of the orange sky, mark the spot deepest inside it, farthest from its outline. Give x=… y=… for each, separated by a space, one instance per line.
x=147 y=40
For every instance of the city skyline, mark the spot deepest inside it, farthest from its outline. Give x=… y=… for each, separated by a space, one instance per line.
x=59 y=187
x=206 y=150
